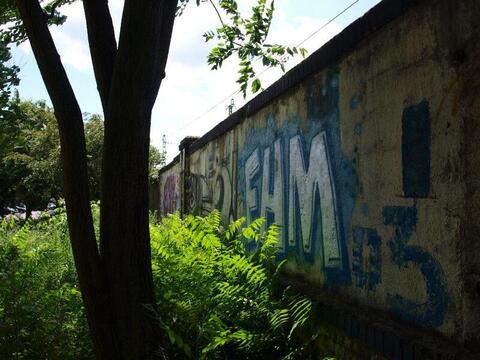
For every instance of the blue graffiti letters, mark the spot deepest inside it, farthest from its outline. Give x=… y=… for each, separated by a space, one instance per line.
x=433 y=311
x=312 y=211
x=367 y=258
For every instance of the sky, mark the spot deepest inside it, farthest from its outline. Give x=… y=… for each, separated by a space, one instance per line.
x=192 y=98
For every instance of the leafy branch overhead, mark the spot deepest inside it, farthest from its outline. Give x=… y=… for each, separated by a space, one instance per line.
x=15 y=32
x=247 y=38
x=244 y=36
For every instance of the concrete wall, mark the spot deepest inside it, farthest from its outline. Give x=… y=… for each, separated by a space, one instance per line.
x=366 y=154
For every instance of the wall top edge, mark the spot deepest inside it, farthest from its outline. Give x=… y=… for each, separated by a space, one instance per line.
x=334 y=50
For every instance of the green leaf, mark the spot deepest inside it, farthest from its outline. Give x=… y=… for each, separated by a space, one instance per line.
x=256 y=85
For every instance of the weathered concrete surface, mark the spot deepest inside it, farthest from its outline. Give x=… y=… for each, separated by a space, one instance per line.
x=369 y=162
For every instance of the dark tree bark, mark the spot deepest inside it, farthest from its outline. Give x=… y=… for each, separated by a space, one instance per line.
x=139 y=68
x=103 y=46
x=72 y=139
x=116 y=283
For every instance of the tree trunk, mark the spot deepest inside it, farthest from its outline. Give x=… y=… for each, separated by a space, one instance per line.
x=70 y=123
x=103 y=47
x=116 y=284
x=125 y=240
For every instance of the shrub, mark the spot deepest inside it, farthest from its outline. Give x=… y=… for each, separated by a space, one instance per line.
x=219 y=301
x=41 y=311
x=216 y=300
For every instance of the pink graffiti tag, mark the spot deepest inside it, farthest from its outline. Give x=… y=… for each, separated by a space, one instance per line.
x=171 y=196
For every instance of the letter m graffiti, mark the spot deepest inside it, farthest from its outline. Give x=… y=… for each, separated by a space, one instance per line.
x=313 y=223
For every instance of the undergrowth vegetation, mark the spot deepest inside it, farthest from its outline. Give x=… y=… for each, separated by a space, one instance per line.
x=41 y=310
x=220 y=301
x=216 y=300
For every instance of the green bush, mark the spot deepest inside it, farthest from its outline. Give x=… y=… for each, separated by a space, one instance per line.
x=41 y=311
x=219 y=301
x=216 y=300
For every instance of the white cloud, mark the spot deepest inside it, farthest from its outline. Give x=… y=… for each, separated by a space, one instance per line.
x=26 y=48
x=74 y=13
x=70 y=39
x=116 y=8
x=73 y=50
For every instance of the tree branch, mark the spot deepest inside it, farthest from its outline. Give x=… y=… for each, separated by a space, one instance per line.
x=103 y=46
x=53 y=8
x=72 y=139
x=218 y=13
x=223 y=24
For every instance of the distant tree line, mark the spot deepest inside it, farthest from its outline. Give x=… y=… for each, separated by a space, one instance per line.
x=30 y=162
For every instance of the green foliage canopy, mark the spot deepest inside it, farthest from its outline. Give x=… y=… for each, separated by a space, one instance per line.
x=13 y=31
x=30 y=169
x=30 y=164
x=8 y=77
x=246 y=37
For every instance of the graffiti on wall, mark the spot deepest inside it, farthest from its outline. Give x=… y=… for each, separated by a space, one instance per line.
x=367 y=258
x=213 y=189
x=297 y=176
x=366 y=249
x=431 y=312
x=171 y=194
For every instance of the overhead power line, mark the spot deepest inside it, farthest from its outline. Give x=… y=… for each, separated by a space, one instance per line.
x=207 y=111
x=327 y=23
x=229 y=96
